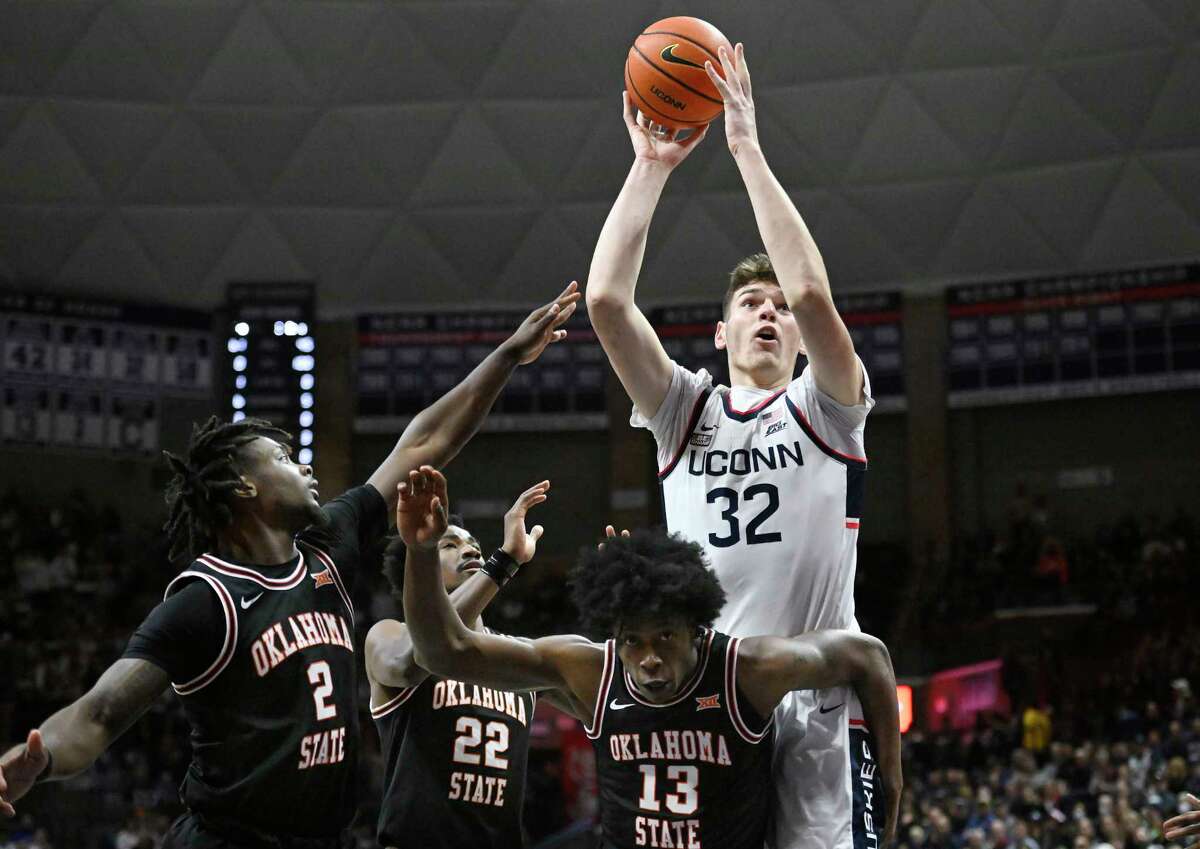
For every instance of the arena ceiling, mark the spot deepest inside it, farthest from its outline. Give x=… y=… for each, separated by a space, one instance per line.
x=468 y=152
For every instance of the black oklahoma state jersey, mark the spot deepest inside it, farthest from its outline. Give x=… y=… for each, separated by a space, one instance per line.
x=274 y=718
x=455 y=758
x=694 y=773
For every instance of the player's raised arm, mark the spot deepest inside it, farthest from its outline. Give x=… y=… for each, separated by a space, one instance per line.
x=632 y=346
x=770 y=667
x=447 y=647
x=70 y=740
x=390 y=657
x=441 y=430
x=794 y=255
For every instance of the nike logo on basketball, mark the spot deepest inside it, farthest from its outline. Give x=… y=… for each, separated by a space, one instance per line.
x=830 y=710
x=615 y=705
x=668 y=55
x=246 y=602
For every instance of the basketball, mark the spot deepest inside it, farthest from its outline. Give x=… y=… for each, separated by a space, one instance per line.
x=665 y=76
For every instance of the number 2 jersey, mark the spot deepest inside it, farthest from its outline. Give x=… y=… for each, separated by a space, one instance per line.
x=455 y=758
x=268 y=683
x=694 y=773
x=771 y=485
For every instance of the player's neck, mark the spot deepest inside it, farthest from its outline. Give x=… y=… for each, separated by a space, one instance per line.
x=769 y=381
x=252 y=542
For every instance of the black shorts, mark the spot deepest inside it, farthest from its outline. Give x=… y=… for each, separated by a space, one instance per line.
x=192 y=831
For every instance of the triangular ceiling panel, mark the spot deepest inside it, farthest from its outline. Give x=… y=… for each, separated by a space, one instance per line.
x=395 y=67
x=1048 y=127
x=904 y=142
x=960 y=33
x=826 y=120
x=913 y=217
x=113 y=139
x=253 y=65
x=159 y=23
x=333 y=243
x=991 y=236
x=1030 y=23
x=1138 y=76
x=1178 y=172
x=183 y=168
x=1173 y=121
x=472 y=160
x=184 y=243
x=111 y=257
x=439 y=26
x=258 y=143
x=323 y=38
x=1063 y=202
x=852 y=246
x=973 y=105
x=809 y=43
x=479 y=244
x=889 y=26
x=329 y=169
x=605 y=156
x=257 y=252
x=35 y=39
x=404 y=267
x=790 y=164
x=545 y=136
x=1100 y=26
x=694 y=260
x=1180 y=16
x=1142 y=221
x=585 y=220
x=111 y=60
x=542 y=274
x=12 y=111
x=37 y=164
x=36 y=240
x=733 y=214
x=399 y=141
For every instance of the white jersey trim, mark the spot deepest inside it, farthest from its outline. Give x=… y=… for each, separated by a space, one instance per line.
x=337 y=579
x=247 y=574
x=380 y=711
x=593 y=730
x=735 y=713
x=231 y=633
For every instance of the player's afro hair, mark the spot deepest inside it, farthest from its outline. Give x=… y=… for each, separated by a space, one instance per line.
x=393 y=560
x=198 y=494
x=651 y=574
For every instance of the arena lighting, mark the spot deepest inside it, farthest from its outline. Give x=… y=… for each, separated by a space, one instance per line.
x=306 y=418
x=303 y=362
x=305 y=456
x=241 y=328
x=239 y=363
x=904 y=696
x=305 y=344
x=239 y=382
x=238 y=402
x=306 y=437
x=307 y=381
x=238 y=416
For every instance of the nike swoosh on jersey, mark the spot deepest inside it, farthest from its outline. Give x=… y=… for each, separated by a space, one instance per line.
x=832 y=709
x=668 y=55
x=246 y=602
x=615 y=705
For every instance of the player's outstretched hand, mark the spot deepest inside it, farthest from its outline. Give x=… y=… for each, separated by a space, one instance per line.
x=423 y=509
x=651 y=148
x=541 y=328
x=1184 y=825
x=740 y=127
x=519 y=543
x=610 y=533
x=19 y=769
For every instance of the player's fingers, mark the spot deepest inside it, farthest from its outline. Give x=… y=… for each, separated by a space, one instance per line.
x=743 y=71
x=565 y=313
x=625 y=532
x=1192 y=800
x=610 y=531
x=1191 y=818
x=7 y=809
x=537 y=532
x=1177 y=832
x=717 y=81
x=627 y=110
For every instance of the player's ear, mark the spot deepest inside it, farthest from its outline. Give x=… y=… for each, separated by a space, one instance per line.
x=246 y=489
x=719 y=336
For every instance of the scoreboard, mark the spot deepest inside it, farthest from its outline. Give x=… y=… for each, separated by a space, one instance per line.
x=1074 y=336
x=80 y=373
x=873 y=319
x=407 y=360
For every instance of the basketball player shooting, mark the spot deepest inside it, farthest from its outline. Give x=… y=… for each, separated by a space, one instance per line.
x=680 y=715
x=256 y=635
x=767 y=475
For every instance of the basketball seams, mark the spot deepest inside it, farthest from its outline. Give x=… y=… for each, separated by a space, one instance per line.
x=716 y=59
x=652 y=108
x=675 y=79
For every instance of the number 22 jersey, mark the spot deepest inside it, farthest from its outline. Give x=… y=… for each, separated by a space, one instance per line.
x=694 y=773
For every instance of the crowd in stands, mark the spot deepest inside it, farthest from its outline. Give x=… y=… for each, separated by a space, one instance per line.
x=1103 y=739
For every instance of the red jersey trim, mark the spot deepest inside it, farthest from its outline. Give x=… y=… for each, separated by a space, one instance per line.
x=593 y=731
x=807 y=427
x=687 y=689
x=697 y=409
x=744 y=415
x=393 y=703
x=247 y=574
x=337 y=579
x=231 y=634
x=731 y=699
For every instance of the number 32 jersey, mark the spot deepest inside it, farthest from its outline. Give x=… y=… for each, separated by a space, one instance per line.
x=771 y=485
x=694 y=773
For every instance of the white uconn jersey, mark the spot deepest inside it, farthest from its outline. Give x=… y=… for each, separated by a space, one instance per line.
x=771 y=485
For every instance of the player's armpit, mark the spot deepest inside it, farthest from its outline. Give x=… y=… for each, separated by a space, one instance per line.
x=80 y=732
x=390 y=659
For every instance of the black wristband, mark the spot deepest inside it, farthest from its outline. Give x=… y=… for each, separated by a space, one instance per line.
x=48 y=772
x=500 y=567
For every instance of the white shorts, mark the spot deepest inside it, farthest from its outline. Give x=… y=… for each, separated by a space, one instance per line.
x=827 y=792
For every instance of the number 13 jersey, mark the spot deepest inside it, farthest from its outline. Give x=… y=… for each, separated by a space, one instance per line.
x=771 y=485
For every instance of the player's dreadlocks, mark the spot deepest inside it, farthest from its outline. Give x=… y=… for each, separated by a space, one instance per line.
x=649 y=575
x=198 y=495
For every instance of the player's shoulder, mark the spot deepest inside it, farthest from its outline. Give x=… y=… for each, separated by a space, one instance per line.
x=384 y=629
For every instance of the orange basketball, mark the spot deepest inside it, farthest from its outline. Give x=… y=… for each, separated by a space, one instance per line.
x=664 y=72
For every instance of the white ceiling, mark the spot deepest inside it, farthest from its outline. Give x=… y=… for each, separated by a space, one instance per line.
x=467 y=152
